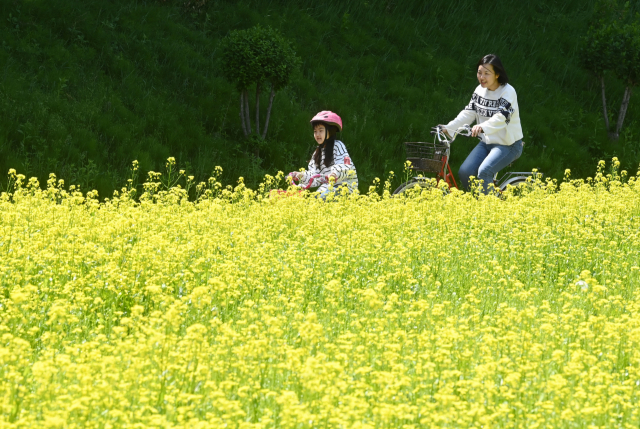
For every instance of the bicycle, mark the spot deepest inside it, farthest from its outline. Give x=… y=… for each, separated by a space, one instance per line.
x=319 y=180
x=434 y=158
x=298 y=188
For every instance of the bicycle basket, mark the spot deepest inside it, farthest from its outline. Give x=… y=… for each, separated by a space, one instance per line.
x=426 y=156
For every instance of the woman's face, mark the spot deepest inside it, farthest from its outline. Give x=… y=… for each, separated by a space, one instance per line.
x=319 y=133
x=487 y=77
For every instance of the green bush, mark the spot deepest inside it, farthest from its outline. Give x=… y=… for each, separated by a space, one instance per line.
x=612 y=44
x=257 y=56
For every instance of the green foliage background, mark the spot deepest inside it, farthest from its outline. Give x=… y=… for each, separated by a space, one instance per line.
x=88 y=86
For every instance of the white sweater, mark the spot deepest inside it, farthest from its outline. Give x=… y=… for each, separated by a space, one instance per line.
x=496 y=112
x=342 y=167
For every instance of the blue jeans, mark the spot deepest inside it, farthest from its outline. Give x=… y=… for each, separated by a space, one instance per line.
x=485 y=160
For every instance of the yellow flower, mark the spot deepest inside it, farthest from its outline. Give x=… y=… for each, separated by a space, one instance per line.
x=239 y=310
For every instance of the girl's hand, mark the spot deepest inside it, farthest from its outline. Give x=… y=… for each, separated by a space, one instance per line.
x=477 y=129
x=332 y=176
x=295 y=176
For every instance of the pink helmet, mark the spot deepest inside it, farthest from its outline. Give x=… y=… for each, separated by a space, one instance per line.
x=328 y=117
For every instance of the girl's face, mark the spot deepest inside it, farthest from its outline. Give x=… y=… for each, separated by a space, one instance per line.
x=319 y=133
x=487 y=77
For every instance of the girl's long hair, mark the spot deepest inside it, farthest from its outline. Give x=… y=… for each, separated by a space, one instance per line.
x=326 y=147
x=498 y=68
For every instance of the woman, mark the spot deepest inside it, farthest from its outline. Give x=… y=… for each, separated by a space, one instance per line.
x=330 y=159
x=494 y=108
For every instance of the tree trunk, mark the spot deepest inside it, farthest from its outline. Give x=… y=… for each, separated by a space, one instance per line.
x=266 y=121
x=258 y=108
x=604 y=104
x=623 y=109
x=244 y=125
x=246 y=111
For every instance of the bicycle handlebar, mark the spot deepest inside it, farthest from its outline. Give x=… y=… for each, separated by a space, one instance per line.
x=440 y=133
x=322 y=179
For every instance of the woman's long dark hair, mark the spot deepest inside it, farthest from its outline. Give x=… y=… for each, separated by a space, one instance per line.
x=326 y=147
x=498 y=68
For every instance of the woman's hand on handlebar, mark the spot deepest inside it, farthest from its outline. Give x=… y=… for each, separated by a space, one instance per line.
x=442 y=128
x=476 y=130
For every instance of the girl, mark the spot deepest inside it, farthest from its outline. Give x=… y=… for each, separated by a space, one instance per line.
x=330 y=159
x=494 y=106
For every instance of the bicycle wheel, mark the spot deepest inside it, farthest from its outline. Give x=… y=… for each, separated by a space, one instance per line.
x=411 y=185
x=519 y=184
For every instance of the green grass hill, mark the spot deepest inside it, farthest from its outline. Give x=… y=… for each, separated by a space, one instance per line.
x=88 y=86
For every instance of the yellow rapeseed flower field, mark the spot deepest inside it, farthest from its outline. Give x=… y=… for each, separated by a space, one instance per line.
x=258 y=309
